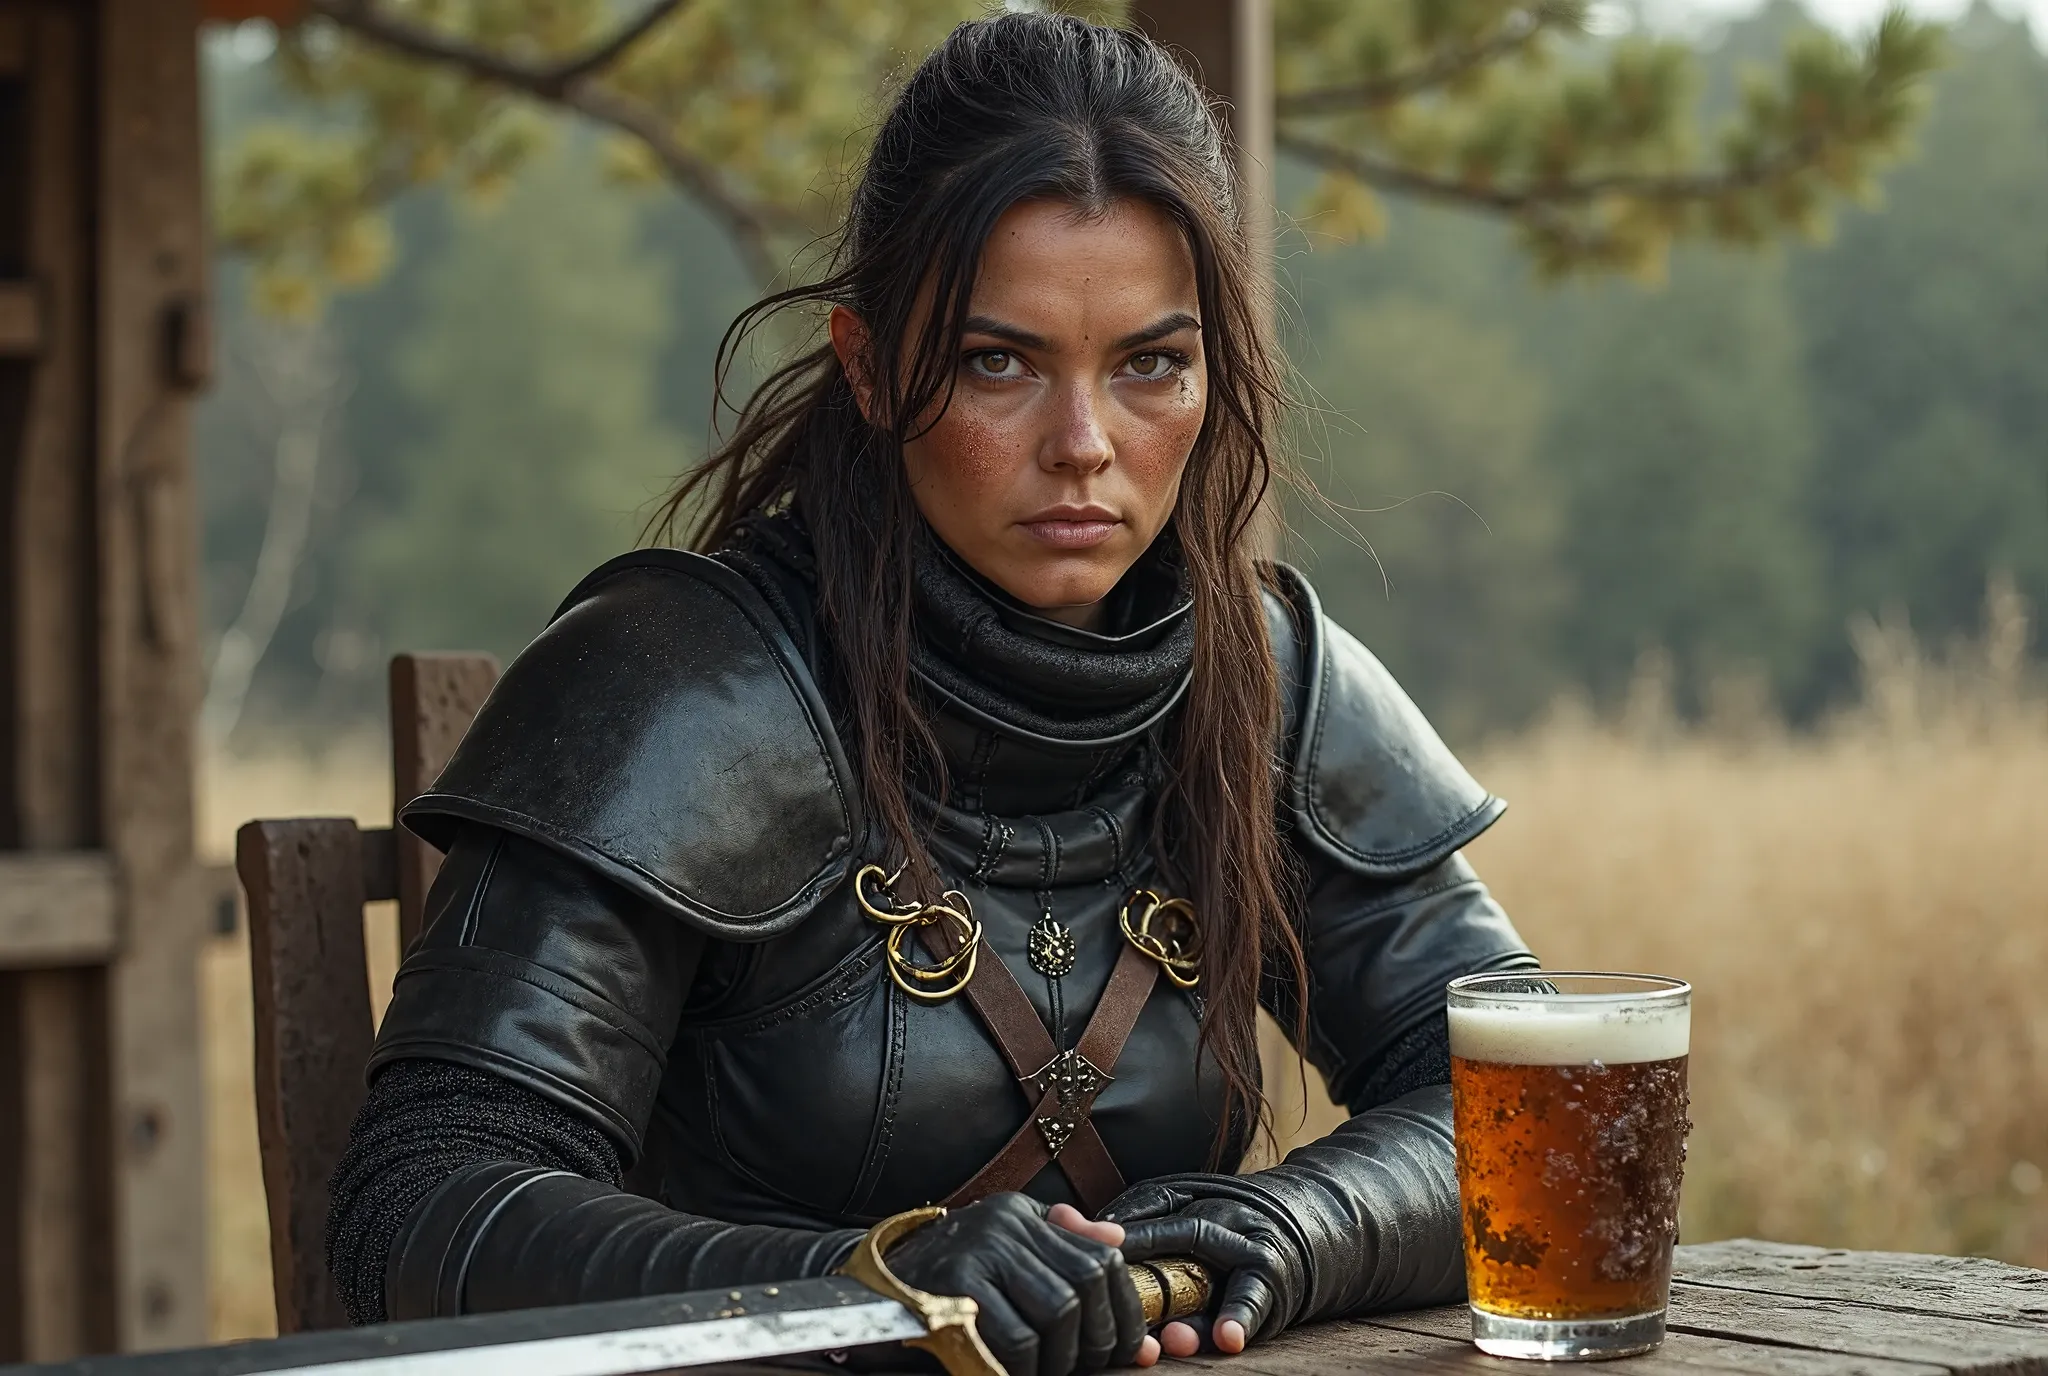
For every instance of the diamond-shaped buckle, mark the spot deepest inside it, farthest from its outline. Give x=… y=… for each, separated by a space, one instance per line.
x=1073 y=1081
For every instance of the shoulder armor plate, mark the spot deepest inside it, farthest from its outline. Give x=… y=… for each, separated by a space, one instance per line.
x=1371 y=784
x=664 y=731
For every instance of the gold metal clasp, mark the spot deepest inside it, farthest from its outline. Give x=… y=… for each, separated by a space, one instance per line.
x=1166 y=930
x=933 y=983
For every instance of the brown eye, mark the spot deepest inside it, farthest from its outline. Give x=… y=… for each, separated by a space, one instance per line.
x=993 y=362
x=1151 y=367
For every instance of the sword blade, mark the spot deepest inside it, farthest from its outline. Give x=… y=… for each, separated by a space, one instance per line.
x=618 y=1338
x=615 y=1338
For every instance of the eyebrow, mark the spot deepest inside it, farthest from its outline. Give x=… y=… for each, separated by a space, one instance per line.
x=1013 y=334
x=1024 y=339
x=1158 y=330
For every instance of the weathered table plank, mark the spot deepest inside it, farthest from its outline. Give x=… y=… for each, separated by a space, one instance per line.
x=1956 y=1287
x=1959 y=1344
x=1755 y=1308
x=1683 y=1354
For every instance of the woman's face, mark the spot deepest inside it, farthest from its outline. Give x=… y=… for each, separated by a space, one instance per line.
x=1079 y=391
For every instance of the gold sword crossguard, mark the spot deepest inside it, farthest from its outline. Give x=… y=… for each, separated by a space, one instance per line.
x=1168 y=1288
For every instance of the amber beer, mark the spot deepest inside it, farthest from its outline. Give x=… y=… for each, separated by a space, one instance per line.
x=1570 y=1102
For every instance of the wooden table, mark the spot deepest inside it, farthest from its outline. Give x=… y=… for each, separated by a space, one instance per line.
x=1744 y=1306
x=1737 y=1307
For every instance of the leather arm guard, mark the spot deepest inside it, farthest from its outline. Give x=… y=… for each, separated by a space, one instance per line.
x=1366 y=1219
x=503 y=1235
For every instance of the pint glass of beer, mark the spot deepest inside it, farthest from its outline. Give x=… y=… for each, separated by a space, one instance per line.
x=1570 y=1103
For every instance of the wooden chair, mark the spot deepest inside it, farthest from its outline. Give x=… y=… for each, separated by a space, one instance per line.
x=307 y=880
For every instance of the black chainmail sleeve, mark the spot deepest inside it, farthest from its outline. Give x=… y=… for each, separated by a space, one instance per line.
x=422 y=1122
x=1419 y=1058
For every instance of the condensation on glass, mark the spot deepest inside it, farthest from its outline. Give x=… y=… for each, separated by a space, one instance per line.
x=1570 y=1100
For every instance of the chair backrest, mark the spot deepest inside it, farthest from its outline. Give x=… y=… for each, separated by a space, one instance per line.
x=307 y=880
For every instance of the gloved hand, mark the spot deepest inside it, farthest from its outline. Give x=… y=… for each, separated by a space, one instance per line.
x=1054 y=1300
x=1364 y=1219
x=1263 y=1273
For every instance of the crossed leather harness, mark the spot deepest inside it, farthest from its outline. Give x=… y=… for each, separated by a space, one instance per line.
x=1066 y=1083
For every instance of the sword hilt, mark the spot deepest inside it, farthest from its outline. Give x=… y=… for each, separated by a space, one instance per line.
x=1168 y=1288
x=1171 y=1287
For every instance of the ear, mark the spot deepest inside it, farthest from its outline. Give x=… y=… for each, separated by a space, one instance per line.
x=850 y=340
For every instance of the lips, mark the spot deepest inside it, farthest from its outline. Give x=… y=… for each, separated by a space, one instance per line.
x=1072 y=527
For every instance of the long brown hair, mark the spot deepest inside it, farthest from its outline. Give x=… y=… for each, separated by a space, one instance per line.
x=1028 y=106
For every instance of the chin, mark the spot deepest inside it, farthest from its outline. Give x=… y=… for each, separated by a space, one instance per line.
x=1051 y=590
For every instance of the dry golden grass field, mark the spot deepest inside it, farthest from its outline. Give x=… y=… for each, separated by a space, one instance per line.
x=1863 y=912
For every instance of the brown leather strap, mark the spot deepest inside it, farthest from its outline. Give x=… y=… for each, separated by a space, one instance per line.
x=1028 y=1047
x=1002 y=1003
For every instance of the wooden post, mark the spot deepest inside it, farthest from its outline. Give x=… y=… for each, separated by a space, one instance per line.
x=55 y=1279
x=1229 y=46
x=151 y=331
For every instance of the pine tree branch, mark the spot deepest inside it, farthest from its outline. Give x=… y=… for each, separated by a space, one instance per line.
x=569 y=85
x=1518 y=32
x=603 y=55
x=1388 y=175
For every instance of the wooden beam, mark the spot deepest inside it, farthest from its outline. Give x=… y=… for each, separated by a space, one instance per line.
x=55 y=1237
x=21 y=320
x=152 y=257
x=1228 y=45
x=236 y=11
x=56 y=908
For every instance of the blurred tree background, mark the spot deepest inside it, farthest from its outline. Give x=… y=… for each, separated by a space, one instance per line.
x=1532 y=475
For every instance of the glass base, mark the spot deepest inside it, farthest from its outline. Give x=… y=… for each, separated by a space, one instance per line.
x=1566 y=1340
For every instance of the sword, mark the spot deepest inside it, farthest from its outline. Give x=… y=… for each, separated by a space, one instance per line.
x=706 y=1328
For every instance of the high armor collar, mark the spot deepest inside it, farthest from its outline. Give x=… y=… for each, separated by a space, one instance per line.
x=1037 y=717
x=1033 y=717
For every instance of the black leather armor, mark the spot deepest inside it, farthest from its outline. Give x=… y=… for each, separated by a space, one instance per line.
x=645 y=920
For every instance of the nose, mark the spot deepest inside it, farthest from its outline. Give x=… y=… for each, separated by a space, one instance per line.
x=1079 y=442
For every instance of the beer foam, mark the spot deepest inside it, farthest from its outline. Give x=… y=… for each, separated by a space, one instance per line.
x=1546 y=1033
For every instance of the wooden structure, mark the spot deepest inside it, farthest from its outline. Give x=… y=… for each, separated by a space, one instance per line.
x=103 y=343
x=307 y=881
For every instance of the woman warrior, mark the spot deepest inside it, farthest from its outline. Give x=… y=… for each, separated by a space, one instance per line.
x=938 y=834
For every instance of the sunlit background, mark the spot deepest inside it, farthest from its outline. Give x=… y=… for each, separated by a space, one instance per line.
x=1723 y=574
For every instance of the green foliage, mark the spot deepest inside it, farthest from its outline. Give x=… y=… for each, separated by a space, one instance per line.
x=1593 y=154
x=1685 y=448
x=543 y=319
x=1436 y=532
x=755 y=110
x=1928 y=357
x=752 y=107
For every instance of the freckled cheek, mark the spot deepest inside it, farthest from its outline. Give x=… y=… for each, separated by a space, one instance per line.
x=1155 y=448
x=972 y=454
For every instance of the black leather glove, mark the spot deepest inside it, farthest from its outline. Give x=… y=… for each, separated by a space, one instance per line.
x=1362 y=1220
x=1052 y=1302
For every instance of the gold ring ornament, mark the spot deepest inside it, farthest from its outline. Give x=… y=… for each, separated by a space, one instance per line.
x=875 y=890
x=1166 y=930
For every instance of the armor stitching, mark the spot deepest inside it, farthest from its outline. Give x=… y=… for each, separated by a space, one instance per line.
x=1000 y=834
x=885 y=1117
